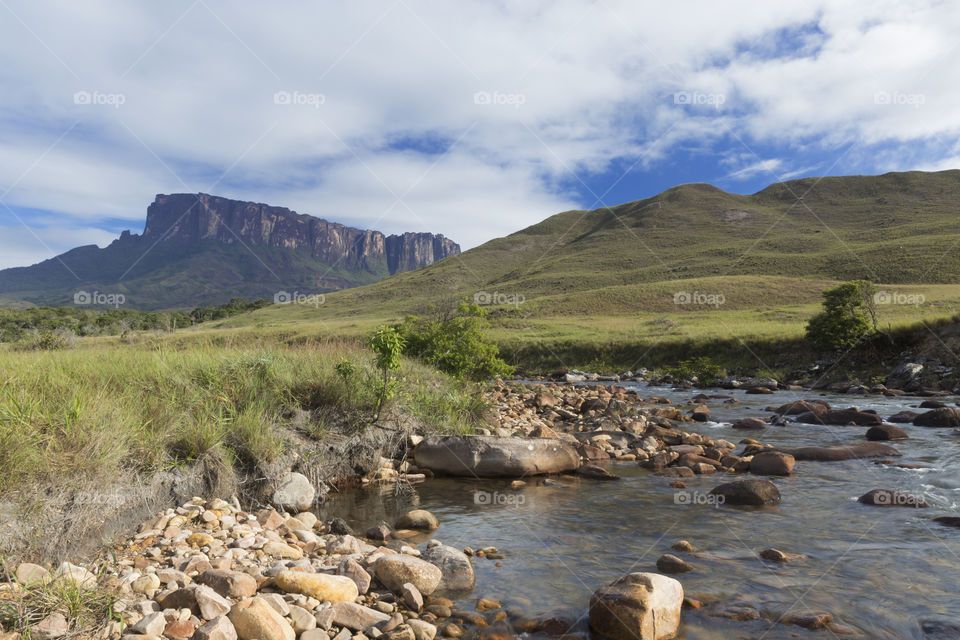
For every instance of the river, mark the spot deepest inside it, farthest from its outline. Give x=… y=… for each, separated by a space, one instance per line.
x=883 y=571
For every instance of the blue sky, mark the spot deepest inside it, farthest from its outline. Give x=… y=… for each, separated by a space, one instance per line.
x=473 y=119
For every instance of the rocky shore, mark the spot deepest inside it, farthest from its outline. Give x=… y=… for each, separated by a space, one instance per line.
x=211 y=570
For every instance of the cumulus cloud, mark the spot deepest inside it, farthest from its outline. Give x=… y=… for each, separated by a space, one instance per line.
x=473 y=119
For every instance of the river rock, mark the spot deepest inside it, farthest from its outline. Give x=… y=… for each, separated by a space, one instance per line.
x=772 y=463
x=807 y=619
x=490 y=457
x=418 y=519
x=903 y=417
x=352 y=569
x=422 y=630
x=255 y=619
x=395 y=570
x=749 y=424
x=217 y=629
x=948 y=521
x=888 y=498
x=638 y=606
x=294 y=493
x=752 y=491
x=322 y=586
x=596 y=472
x=669 y=563
x=229 y=584
x=853 y=451
x=940 y=418
x=817 y=407
x=457 y=572
x=886 y=432
x=841 y=417
x=412 y=597
x=339 y=527
x=356 y=617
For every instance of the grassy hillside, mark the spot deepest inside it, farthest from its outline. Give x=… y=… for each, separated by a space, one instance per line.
x=757 y=263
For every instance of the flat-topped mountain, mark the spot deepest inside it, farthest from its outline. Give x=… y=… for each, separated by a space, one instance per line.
x=199 y=249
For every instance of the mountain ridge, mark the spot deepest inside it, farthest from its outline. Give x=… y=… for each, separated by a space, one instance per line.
x=200 y=249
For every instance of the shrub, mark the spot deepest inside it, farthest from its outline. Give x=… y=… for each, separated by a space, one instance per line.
x=456 y=345
x=848 y=316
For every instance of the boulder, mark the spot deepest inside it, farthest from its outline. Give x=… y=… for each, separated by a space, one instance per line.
x=294 y=493
x=853 y=451
x=803 y=406
x=457 y=572
x=903 y=417
x=772 y=463
x=840 y=417
x=422 y=630
x=393 y=571
x=322 y=586
x=752 y=491
x=418 y=519
x=638 y=606
x=490 y=457
x=886 y=432
x=940 y=418
x=887 y=498
x=749 y=424
x=255 y=619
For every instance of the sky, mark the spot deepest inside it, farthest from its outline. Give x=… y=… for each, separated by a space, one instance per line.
x=473 y=118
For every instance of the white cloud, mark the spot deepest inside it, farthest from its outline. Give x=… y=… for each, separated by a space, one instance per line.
x=574 y=86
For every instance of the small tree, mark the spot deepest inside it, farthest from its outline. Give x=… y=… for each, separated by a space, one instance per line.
x=457 y=345
x=387 y=344
x=849 y=314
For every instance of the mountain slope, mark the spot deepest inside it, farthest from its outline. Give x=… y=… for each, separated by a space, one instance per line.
x=893 y=228
x=198 y=249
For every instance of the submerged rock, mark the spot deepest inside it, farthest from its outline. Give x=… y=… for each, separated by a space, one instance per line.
x=888 y=498
x=490 y=457
x=752 y=491
x=853 y=451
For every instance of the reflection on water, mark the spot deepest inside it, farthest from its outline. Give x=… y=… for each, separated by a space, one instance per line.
x=879 y=570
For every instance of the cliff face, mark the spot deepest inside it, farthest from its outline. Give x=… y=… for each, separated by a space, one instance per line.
x=192 y=218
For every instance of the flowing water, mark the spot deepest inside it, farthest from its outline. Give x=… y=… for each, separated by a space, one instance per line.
x=883 y=571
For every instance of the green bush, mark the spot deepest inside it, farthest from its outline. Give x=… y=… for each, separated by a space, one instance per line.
x=456 y=345
x=848 y=315
x=702 y=368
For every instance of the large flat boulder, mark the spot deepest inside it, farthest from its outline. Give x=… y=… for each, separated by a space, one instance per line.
x=490 y=457
x=851 y=451
x=840 y=417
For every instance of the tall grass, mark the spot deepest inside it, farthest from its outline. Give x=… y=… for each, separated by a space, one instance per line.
x=91 y=411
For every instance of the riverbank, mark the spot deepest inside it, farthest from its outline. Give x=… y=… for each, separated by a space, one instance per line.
x=715 y=458
x=111 y=431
